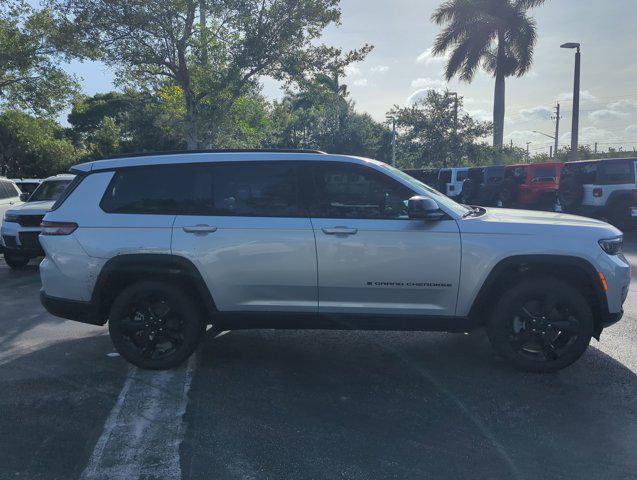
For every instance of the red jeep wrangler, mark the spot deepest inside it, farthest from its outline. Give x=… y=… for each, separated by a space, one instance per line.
x=532 y=185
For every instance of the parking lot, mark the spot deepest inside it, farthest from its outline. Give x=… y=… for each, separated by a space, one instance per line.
x=307 y=405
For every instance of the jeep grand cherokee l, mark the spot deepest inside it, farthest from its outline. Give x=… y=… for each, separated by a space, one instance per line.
x=162 y=245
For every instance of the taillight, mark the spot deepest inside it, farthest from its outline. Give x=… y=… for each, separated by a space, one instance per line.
x=58 y=228
x=597 y=192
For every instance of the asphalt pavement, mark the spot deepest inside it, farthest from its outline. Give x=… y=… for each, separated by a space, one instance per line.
x=307 y=405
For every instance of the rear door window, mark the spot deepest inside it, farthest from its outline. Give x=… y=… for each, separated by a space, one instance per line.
x=461 y=175
x=544 y=173
x=4 y=191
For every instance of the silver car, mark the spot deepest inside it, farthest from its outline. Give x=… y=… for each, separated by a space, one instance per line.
x=160 y=246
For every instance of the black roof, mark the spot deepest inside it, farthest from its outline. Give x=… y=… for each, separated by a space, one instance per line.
x=590 y=160
x=217 y=150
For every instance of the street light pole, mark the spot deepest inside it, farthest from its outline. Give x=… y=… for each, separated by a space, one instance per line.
x=576 y=88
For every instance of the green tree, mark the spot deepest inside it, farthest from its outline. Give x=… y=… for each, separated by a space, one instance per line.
x=124 y=122
x=214 y=51
x=318 y=115
x=431 y=136
x=32 y=44
x=33 y=147
x=497 y=34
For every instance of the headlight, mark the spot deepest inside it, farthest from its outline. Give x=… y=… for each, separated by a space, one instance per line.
x=10 y=217
x=612 y=246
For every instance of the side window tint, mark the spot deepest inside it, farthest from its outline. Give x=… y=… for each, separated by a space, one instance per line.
x=237 y=189
x=613 y=173
x=4 y=190
x=351 y=191
x=167 y=190
x=258 y=190
x=461 y=175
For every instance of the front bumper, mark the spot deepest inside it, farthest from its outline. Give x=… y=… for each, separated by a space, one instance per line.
x=21 y=241
x=84 y=312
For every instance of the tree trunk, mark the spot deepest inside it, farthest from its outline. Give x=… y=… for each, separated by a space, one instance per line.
x=498 y=95
x=190 y=122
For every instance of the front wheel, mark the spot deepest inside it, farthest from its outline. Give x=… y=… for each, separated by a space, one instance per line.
x=541 y=325
x=16 y=261
x=155 y=325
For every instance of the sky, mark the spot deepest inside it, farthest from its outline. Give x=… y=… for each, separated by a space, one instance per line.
x=400 y=68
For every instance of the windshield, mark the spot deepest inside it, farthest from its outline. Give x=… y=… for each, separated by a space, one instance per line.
x=49 y=191
x=433 y=193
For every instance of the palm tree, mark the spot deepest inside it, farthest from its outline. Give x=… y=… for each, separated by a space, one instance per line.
x=495 y=34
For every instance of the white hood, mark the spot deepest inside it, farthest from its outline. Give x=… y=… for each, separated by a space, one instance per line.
x=525 y=222
x=32 y=208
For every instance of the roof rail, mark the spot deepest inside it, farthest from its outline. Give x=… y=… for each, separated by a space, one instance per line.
x=218 y=150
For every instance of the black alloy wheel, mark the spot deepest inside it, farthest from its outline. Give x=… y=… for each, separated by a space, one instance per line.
x=541 y=324
x=155 y=325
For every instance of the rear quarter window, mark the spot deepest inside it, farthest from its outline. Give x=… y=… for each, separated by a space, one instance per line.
x=614 y=173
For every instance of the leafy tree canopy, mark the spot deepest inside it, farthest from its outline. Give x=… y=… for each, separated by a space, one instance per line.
x=32 y=45
x=432 y=136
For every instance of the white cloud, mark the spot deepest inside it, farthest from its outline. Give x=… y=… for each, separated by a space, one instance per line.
x=624 y=105
x=584 y=95
x=631 y=130
x=379 y=69
x=360 y=82
x=417 y=96
x=606 y=115
x=481 y=115
x=429 y=83
x=427 y=57
x=536 y=113
x=352 y=71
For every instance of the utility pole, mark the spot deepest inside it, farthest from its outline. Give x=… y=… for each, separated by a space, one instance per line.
x=595 y=147
x=527 y=150
x=511 y=144
x=576 y=87
x=551 y=151
x=557 y=127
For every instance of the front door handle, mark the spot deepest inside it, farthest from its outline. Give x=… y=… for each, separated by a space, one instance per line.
x=199 y=229
x=340 y=231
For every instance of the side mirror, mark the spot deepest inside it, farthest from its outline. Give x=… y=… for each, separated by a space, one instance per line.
x=424 y=208
x=24 y=197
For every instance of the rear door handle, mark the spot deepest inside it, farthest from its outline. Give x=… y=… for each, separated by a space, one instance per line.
x=199 y=229
x=340 y=231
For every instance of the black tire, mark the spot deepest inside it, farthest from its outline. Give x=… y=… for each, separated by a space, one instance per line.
x=509 y=192
x=619 y=214
x=16 y=261
x=570 y=194
x=541 y=325
x=155 y=325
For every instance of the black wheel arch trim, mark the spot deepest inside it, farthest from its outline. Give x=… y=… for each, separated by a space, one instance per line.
x=169 y=266
x=603 y=316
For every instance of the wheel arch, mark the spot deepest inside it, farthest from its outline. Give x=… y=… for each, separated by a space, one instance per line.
x=574 y=270
x=123 y=270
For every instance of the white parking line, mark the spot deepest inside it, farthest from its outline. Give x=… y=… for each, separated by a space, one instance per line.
x=144 y=430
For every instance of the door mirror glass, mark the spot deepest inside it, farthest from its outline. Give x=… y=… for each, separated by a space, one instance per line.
x=424 y=208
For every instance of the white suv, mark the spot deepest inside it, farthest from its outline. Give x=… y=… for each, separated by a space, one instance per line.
x=21 y=225
x=450 y=181
x=162 y=245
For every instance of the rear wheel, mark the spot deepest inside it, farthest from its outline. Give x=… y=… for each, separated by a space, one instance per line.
x=619 y=214
x=509 y=192
x=541 y=325
x=16 y=261
x=155 y=325
x=570 y=194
